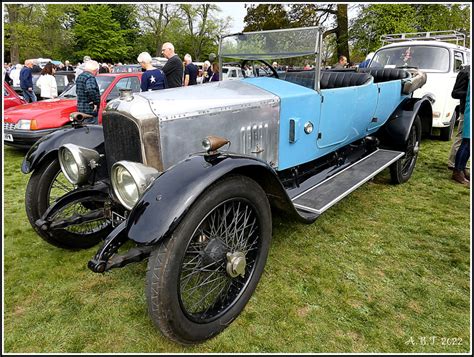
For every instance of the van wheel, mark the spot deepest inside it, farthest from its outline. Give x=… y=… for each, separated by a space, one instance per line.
x=447 y=132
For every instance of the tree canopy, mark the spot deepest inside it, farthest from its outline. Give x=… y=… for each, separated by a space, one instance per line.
x=376 y=20
x=110 y=32
x=119 y=32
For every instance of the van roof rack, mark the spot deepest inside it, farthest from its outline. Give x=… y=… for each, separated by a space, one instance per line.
x=445 y=36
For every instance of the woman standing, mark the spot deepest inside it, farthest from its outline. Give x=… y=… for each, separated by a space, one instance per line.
x=47 y=83
x=460 y=173
x=215 y=72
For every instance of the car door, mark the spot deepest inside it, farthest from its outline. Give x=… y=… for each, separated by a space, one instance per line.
x=113 y=92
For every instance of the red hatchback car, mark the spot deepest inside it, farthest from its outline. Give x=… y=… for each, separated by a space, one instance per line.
x=10 y=97
x=27 y=123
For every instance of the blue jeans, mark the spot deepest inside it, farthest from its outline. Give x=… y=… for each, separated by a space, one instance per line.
x=462 y=155
x=30 y=97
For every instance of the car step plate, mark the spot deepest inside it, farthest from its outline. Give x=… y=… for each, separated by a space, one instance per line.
x=320 y=197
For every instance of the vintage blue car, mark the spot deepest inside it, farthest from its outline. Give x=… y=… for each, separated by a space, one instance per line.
x=190 y=175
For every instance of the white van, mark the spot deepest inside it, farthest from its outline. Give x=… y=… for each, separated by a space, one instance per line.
x=232 y=73
x=440 y=54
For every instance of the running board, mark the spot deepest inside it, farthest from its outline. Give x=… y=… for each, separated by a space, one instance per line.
x=320 y=197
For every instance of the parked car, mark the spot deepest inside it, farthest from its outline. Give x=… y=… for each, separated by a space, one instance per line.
x=25 y=124
x=439 y=59
x=158 y=62
x=191 y=182
x=10 y=97
x=127 y=68
x=64 y=80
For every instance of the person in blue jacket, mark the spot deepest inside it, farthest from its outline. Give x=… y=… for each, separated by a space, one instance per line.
x=464 y=152
x=26 y=82
x=152 y=78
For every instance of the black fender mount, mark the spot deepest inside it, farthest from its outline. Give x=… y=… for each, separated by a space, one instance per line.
x=97 y=193
x=106 y=257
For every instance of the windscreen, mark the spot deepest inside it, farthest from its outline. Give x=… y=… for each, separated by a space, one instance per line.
x=427 y=58
x=103 y=83
x=271 y=44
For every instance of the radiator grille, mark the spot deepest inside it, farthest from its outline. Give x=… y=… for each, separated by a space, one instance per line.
x=122 y=139
x=8 y=126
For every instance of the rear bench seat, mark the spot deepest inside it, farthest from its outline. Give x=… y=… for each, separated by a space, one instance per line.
x=385 y=74
x=329 y=79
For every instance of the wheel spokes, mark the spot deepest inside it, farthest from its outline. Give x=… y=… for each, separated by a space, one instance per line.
x=75 y=209
x=227 y=238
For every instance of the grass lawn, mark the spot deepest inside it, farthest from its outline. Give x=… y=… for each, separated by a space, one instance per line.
x=387 y=269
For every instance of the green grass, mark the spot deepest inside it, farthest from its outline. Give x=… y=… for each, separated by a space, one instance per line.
x=377 y=272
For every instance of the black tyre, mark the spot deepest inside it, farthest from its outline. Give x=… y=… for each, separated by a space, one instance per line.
x=47 y=184
x=402 y=169
x=201 y=278
x=447 y=132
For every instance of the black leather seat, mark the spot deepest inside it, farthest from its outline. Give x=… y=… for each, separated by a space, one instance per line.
x=385 y=74
x=329 y=79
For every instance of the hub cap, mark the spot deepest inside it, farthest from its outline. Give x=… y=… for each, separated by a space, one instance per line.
x=236 y=264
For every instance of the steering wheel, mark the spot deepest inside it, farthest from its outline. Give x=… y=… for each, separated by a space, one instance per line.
x=274 y=72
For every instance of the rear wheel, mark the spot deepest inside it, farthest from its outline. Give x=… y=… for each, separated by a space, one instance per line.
x=402 y=169
x=201 y=278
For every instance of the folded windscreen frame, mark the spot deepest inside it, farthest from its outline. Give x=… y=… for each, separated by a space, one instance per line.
x=274 y=45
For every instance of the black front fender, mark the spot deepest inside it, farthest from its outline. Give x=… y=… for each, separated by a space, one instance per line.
x=171 y=195
x=395 y=132
x=90 y=136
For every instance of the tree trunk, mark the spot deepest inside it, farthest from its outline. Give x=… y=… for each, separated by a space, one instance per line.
x=342 y=31
x=159 y=32
x=13 y=14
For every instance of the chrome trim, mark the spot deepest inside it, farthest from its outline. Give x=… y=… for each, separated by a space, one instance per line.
x=9 y=126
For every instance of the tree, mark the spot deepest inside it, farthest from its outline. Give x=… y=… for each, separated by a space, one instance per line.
x=266 y=17
x=127 y=17
x=98 y=35
x=202 y=28
x=376 y=20
x=19 y=34
x=156 y=19
x=276 y=16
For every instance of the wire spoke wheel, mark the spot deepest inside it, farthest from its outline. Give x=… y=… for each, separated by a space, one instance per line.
x=80 y=209
x=219 y=260
x=409 y=160
x=402 y=169
x=200 y=278
x=59 y=187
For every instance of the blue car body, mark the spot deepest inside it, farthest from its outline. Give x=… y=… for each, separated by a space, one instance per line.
x=334 y=116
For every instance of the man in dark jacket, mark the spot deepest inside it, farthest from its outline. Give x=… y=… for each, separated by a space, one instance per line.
x=26 y=82
x=88 y=93
x=459 y=92
x=173 y=69
x=190 y=71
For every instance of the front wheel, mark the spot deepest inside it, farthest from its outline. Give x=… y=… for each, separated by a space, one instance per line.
x=201 y=278
x=48 y=184
x=402 y=169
